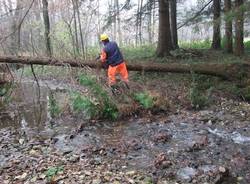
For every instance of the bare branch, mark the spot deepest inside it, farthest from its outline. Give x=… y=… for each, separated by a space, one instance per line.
x=196 y=15
x=20 y=24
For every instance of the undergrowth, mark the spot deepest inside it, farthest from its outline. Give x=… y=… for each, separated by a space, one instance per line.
x=144 y=99
x=54 y=108
x=5 y=93
x=98 y=103
x=200 y=91
x=52 y=172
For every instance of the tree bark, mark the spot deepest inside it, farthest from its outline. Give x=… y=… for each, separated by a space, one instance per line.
x=140 y=23
x=239 y=28
x=173 y=12
x=228 y=27
x=16 y=29
x=118 y=22
x=216 y=44
x=226 y=71
x=164 y=38
x=137 y=23
x=154 y=20
x=113 y=3
x=80 y=26
x=47 y=28
x=149 y=26
x=75 y=27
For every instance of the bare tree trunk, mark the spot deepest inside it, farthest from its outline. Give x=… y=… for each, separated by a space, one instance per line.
x=140 y=22
x=47 y=28
x=164 y=39
x=149 y=8
x=98 y=19
x=137 y=23
x=16 y=29
x=80 y=27
x=228 y=27
x=75 y=27
x=37 y=10
x=216 y=44
x=118 y=21
x=173 y=26
x=154 y=20
x=113 y=2
x=239 y=28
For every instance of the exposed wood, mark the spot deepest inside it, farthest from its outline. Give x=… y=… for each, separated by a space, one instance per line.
x=227 y=71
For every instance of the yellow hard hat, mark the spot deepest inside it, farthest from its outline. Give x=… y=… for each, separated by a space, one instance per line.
x=104 y=37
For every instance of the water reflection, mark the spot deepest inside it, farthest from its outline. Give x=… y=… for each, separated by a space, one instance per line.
x=28 y=108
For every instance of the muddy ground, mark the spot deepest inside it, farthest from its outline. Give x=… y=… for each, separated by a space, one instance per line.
x=178 y=145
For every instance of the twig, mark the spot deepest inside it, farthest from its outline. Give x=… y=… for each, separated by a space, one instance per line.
x=35 y=77
x=8 y=68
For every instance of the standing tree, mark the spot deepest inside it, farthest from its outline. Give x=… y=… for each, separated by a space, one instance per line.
x=239 y=27
x=173 y=25
x=164 y=37
x=47 y=28
x=216 y=44
x=149 y=19
x=118 y=19
x=228 y=26
x=138 y=36
x=16 y=27
x=80 y=26
x=75 y=27
x=140 y=21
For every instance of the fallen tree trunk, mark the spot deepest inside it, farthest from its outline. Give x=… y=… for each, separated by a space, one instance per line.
x=232 y=71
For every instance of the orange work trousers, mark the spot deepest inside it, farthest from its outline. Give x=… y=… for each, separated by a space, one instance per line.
x=120 y=69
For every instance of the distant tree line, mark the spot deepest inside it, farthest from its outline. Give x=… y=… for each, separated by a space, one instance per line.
x=72 y=27
x=233 y=13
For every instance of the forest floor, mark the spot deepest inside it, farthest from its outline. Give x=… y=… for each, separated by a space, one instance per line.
x=198 y=131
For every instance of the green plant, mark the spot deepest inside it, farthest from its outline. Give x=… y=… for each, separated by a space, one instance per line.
x=5 y=93
x=247 y=45
x=53 y=171
x=84 y=104
x=138 y=53
x=201 y=44
x=199 y=92
x=100 y=104
x=246 y=93
x=54 y=108
x=144 y=99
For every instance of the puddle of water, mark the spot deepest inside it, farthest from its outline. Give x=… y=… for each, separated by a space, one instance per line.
x=29 y=108
x=186 y=173
x=236 y=137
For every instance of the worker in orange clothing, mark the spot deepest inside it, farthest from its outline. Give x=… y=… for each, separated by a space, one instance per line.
x=111 y=56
